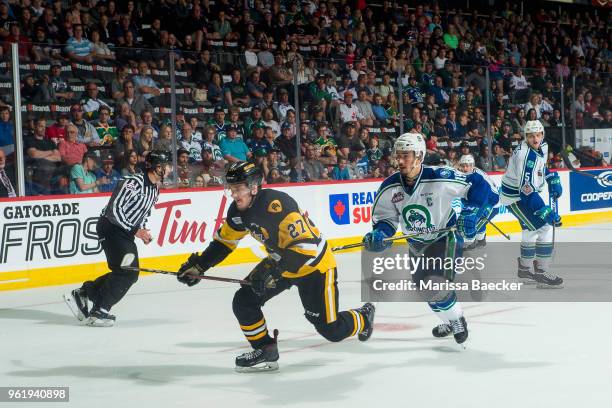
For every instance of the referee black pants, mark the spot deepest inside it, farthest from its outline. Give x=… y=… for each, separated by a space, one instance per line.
x=109 y=289
x=319 y=295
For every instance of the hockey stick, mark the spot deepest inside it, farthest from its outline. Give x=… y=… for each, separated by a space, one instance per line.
x=129 y=258
x=507 y=236
x=391 y=239
x=569 y=165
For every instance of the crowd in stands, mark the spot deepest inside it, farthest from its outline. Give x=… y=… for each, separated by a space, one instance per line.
x=252 y=70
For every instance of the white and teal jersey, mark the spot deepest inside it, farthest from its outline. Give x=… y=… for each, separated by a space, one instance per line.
x=525 y=174
x=426 y=206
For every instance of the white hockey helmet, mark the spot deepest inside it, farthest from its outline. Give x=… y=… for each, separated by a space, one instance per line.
x=411 y=142
x=467 y=159
x=533 y=126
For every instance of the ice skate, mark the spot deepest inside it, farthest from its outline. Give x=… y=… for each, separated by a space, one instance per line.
x=460 y=330
x=441 y=330
x=99 y=317
x=524 y=273
x=545 y=279
x=367 y=311
x=77 y=303
x=260 y=359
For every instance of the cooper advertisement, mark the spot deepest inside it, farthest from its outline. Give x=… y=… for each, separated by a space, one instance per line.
x=591 y=193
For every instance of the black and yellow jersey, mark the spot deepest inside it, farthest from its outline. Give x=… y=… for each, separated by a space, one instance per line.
x=290 y=237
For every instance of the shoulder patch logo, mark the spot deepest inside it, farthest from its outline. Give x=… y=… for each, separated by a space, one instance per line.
x=445 y=173
x=530 y=163
x=275 y=207
x=397 y=197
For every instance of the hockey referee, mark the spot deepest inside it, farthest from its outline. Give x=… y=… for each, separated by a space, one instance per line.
x=122 y=219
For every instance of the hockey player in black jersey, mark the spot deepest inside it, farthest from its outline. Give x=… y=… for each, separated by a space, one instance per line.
x=122 y=220
x=298 y=256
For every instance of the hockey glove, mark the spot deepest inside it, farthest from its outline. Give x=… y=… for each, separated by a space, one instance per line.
x=549 y=216
x=265 y=276
x=191 y=268
x=554 y=185
x=471 y=220
x=374 y=241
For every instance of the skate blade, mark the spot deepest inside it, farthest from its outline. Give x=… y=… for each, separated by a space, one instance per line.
x=527 y=281
x=546 y=286
x=94 y=322
x=259 y=368
x=71 y=303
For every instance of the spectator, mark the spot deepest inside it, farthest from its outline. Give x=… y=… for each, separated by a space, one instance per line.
x=280 y=75
x=59 y=87
x=499 y=158
x=92 y=104
x=7 y=178
x=519 y=86
x=268 y=121
x=130 y=164
x=144 y=84
x=136 y=101
x=121 y=75
x=146 y=119
x=87 y=133
x=318 y=91
x=313 y=166
x=125 y=117
x=79 y=48
x=57 y=131
x=125 y=143
x=365 y=108
x=101 y=51
x=209 y=143
x=282 y=107
x=215 y=92
x=255 y=88
x=340 y=171
x=235 y=91
x=107 y=131
x=287 y=143
x=71 y=150
x=145 y=143
x=187 y=143
x=83 y=179
x=7 y=132
x=107 y=173
x=234 y=149
x=164 y=141
x=349 y=112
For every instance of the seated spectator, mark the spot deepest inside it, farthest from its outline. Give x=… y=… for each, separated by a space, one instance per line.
x=312 y=165
x=121 y=76
x=184 y=170
x=83 y=179
x=282 y=107
x=218 y=123
x=144 y=84
x=365 y=108
x=235 y=91
x=136 y=101
x=125 y=143
x=482 y=160
x=146 y=119
x=59 y=87
x=78 y=48
x=87 y=133
x=268 y=121
x=71 y=150
x=192 y=146
x=57 y=131
x=349 y=112
x=107 y=131
x=91 y=103
x=287 y=143
x=125 y=116
x=275 y=177
x=101 y=52
x=379 y=111
x=340 y=171
x=164 y=141
x=318 y=91
x=209 y=143
x=280 y=75
x=234 y=149
x=234 y=120
x=7 y=131
x=499 y=158
x=107 y=173
x=7 y=178
x=130 y=164
x=519 y=86
x=215 y=92
x=145 y=143
x=255 y=88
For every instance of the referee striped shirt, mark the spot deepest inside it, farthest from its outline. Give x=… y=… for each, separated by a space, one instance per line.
x=131 y=202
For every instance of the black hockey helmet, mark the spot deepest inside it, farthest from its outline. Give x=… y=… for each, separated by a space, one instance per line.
x=243 y=172
x=156 y=157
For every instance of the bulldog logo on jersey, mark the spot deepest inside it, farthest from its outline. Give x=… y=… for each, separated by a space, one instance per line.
x=275 y=207
x=417 y=218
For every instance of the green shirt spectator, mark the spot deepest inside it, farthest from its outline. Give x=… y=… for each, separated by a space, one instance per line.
x=83 y=179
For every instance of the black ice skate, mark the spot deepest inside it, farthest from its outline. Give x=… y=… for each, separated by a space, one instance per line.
x=260 y=359
x=524 y=273
x=460 y=330
x=545 y=279
x=367 y=311
x=470 y=246
x=481 y=243
x=99 y=317
x=441 y=330
x=77 y=303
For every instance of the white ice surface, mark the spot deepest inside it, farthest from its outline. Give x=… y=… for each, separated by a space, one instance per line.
x=174 y=346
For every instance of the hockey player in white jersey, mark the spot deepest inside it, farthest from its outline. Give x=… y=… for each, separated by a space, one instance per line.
x=418 y=200
x=468 y=166
x=521 y=192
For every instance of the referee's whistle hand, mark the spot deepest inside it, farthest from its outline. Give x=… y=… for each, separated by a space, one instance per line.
x=144 y=235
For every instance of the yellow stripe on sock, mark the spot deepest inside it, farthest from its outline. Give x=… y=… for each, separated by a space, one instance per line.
x=253 y=326
x=257 y=336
